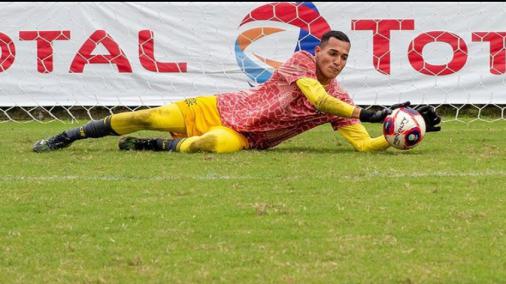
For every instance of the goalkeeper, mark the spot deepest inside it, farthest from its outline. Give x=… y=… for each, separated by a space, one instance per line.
x=302 y=94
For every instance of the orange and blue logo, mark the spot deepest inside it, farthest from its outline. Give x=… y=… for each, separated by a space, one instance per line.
x=302 y=15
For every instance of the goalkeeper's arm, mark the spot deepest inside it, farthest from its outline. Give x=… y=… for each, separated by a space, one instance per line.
x=359 y=138
x=316 y=95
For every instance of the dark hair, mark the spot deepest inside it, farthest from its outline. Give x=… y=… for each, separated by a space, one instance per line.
x=335 y=34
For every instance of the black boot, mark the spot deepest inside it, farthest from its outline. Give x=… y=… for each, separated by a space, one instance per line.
x=59 y=141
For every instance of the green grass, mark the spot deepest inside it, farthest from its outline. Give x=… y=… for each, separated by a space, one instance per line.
x=308 y=211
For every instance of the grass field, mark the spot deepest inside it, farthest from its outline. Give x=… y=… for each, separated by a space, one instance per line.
x=308 y=211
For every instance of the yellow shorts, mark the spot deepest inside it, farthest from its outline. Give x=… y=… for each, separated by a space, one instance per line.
x=200 y=114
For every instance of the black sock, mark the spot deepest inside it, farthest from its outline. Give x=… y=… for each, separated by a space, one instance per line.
x=92 y=129
x=168 y=144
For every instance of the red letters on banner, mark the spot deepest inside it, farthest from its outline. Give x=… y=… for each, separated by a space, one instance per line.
x=115 y=56
x=381 y=38
x=459 y=53
x=147 y=56
x=85 y=54
x=8 y=52
x=497 y=50
x=381 y=57
x=44 y=46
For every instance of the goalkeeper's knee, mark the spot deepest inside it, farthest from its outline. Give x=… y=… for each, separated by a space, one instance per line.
x=218 y=140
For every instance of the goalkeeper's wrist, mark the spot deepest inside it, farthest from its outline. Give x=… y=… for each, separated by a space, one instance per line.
x=365 y=115
x=372 y=116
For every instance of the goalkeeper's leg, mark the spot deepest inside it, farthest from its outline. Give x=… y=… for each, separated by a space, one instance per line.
x=219 y=139
x=165 y=118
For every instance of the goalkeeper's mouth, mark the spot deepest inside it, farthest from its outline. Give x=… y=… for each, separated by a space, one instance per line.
x=334 y=71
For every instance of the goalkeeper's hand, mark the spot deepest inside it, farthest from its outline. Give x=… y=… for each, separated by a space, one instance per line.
x=379 y=116
x=430 y=116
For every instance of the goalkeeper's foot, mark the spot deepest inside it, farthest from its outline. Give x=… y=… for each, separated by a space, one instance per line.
x=56 y=142
x=129 y=143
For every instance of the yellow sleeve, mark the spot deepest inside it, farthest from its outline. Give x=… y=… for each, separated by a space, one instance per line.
x=324 y=102
x=359 y=138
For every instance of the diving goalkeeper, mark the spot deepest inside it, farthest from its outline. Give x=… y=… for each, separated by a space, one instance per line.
x=302 y=94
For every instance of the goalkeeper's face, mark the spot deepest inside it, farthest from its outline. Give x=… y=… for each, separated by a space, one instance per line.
x=331 y=59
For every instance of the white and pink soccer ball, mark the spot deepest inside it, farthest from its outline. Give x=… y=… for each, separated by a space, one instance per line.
x=404 y=128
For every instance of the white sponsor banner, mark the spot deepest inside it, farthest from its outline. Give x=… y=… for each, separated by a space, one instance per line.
x=155 y=53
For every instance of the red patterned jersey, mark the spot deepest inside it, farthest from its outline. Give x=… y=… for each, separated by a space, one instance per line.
x=277 y=110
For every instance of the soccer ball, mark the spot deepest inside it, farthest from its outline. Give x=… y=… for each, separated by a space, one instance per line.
x=404 y=128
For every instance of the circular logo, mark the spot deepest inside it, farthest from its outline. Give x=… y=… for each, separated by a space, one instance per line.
x=302 y=15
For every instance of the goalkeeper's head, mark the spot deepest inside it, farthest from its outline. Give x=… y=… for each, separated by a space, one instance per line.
x=331 y=55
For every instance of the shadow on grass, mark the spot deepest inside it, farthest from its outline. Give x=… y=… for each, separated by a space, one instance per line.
x=299 y=149
x=83 y=148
